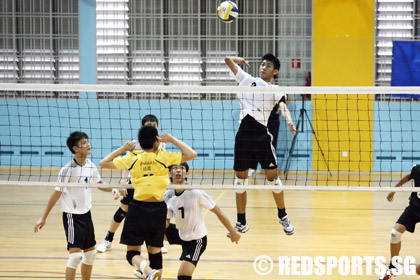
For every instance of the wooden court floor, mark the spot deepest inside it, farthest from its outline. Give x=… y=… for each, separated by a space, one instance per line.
x=326 y=224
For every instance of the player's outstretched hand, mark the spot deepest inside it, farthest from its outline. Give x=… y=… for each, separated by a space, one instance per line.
x=390 y=196
x=119 y=192
x=235 y=236
x=39 y=225
x=292 y=128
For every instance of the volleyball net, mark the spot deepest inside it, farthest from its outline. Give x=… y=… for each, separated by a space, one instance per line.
x=349 y=138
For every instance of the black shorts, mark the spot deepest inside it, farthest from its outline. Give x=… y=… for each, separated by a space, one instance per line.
x=192 y=250
x=129 y=197
x=79 y=230
x=253 y=145
x=409 y=218
x=145 y=222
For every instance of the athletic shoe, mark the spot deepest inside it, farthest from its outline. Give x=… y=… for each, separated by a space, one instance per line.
x=239 y=228
x=139 y=274
x=389 y=274
x=251 y=172
x=287 y=226
x=164 y=250
x=104 y=246
x=154 y=275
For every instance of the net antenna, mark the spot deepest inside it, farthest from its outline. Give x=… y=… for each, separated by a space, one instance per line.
x=300 y=129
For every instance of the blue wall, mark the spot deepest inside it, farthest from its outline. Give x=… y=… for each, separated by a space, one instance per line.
x=33 y=132
x=302 y=153
x=396 y=136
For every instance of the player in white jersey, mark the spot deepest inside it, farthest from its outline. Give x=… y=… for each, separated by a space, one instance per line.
x=273 y=123
x=76 y=204
x=121 y=212
x=253 y=141
x=186 y=207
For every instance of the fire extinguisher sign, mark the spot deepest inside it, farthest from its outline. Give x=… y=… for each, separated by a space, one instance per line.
x=296 y=63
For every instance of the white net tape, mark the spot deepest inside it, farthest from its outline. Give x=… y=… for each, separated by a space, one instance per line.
x=221 y=187
x=206 y=89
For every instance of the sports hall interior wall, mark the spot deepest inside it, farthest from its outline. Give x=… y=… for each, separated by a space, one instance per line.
x=50 y=32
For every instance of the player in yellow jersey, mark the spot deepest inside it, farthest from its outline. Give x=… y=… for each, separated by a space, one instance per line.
x=120 y=214
x=146 y=217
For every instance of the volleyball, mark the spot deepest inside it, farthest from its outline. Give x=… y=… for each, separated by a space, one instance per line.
x=227 y=11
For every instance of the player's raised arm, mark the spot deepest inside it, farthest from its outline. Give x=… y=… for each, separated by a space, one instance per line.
x=233 y=61
x=106 y=162
x=187 y=152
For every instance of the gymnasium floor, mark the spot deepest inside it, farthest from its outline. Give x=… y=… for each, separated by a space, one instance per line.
x=326 y=224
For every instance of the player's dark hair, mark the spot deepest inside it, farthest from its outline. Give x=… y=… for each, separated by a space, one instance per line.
x=74 y=138
x=147 y=136
x=187 y=168
x=273 y=59
x=149 y=118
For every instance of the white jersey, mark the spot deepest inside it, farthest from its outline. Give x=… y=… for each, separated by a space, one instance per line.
x=138 y=148
x=187 y=209
x=77 y=200
x=257 y=105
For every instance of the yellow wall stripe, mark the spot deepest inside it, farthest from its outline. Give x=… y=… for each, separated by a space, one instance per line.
x=343 y=55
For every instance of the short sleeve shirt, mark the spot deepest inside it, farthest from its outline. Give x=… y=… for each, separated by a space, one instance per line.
x=187 y=209
x=138 y=148
x=77 y=200
x=149 y=172
x=257 y=105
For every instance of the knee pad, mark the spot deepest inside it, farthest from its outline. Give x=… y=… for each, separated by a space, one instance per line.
x=183 y=277
x=240 y=182
x=119 y=215
x=155 y=260
x=130 y=255
x=74 y=260
x=395 y=236
x=89 y=257
x=276 y=182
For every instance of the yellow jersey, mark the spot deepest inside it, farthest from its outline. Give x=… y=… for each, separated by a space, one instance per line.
x=149 y=172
